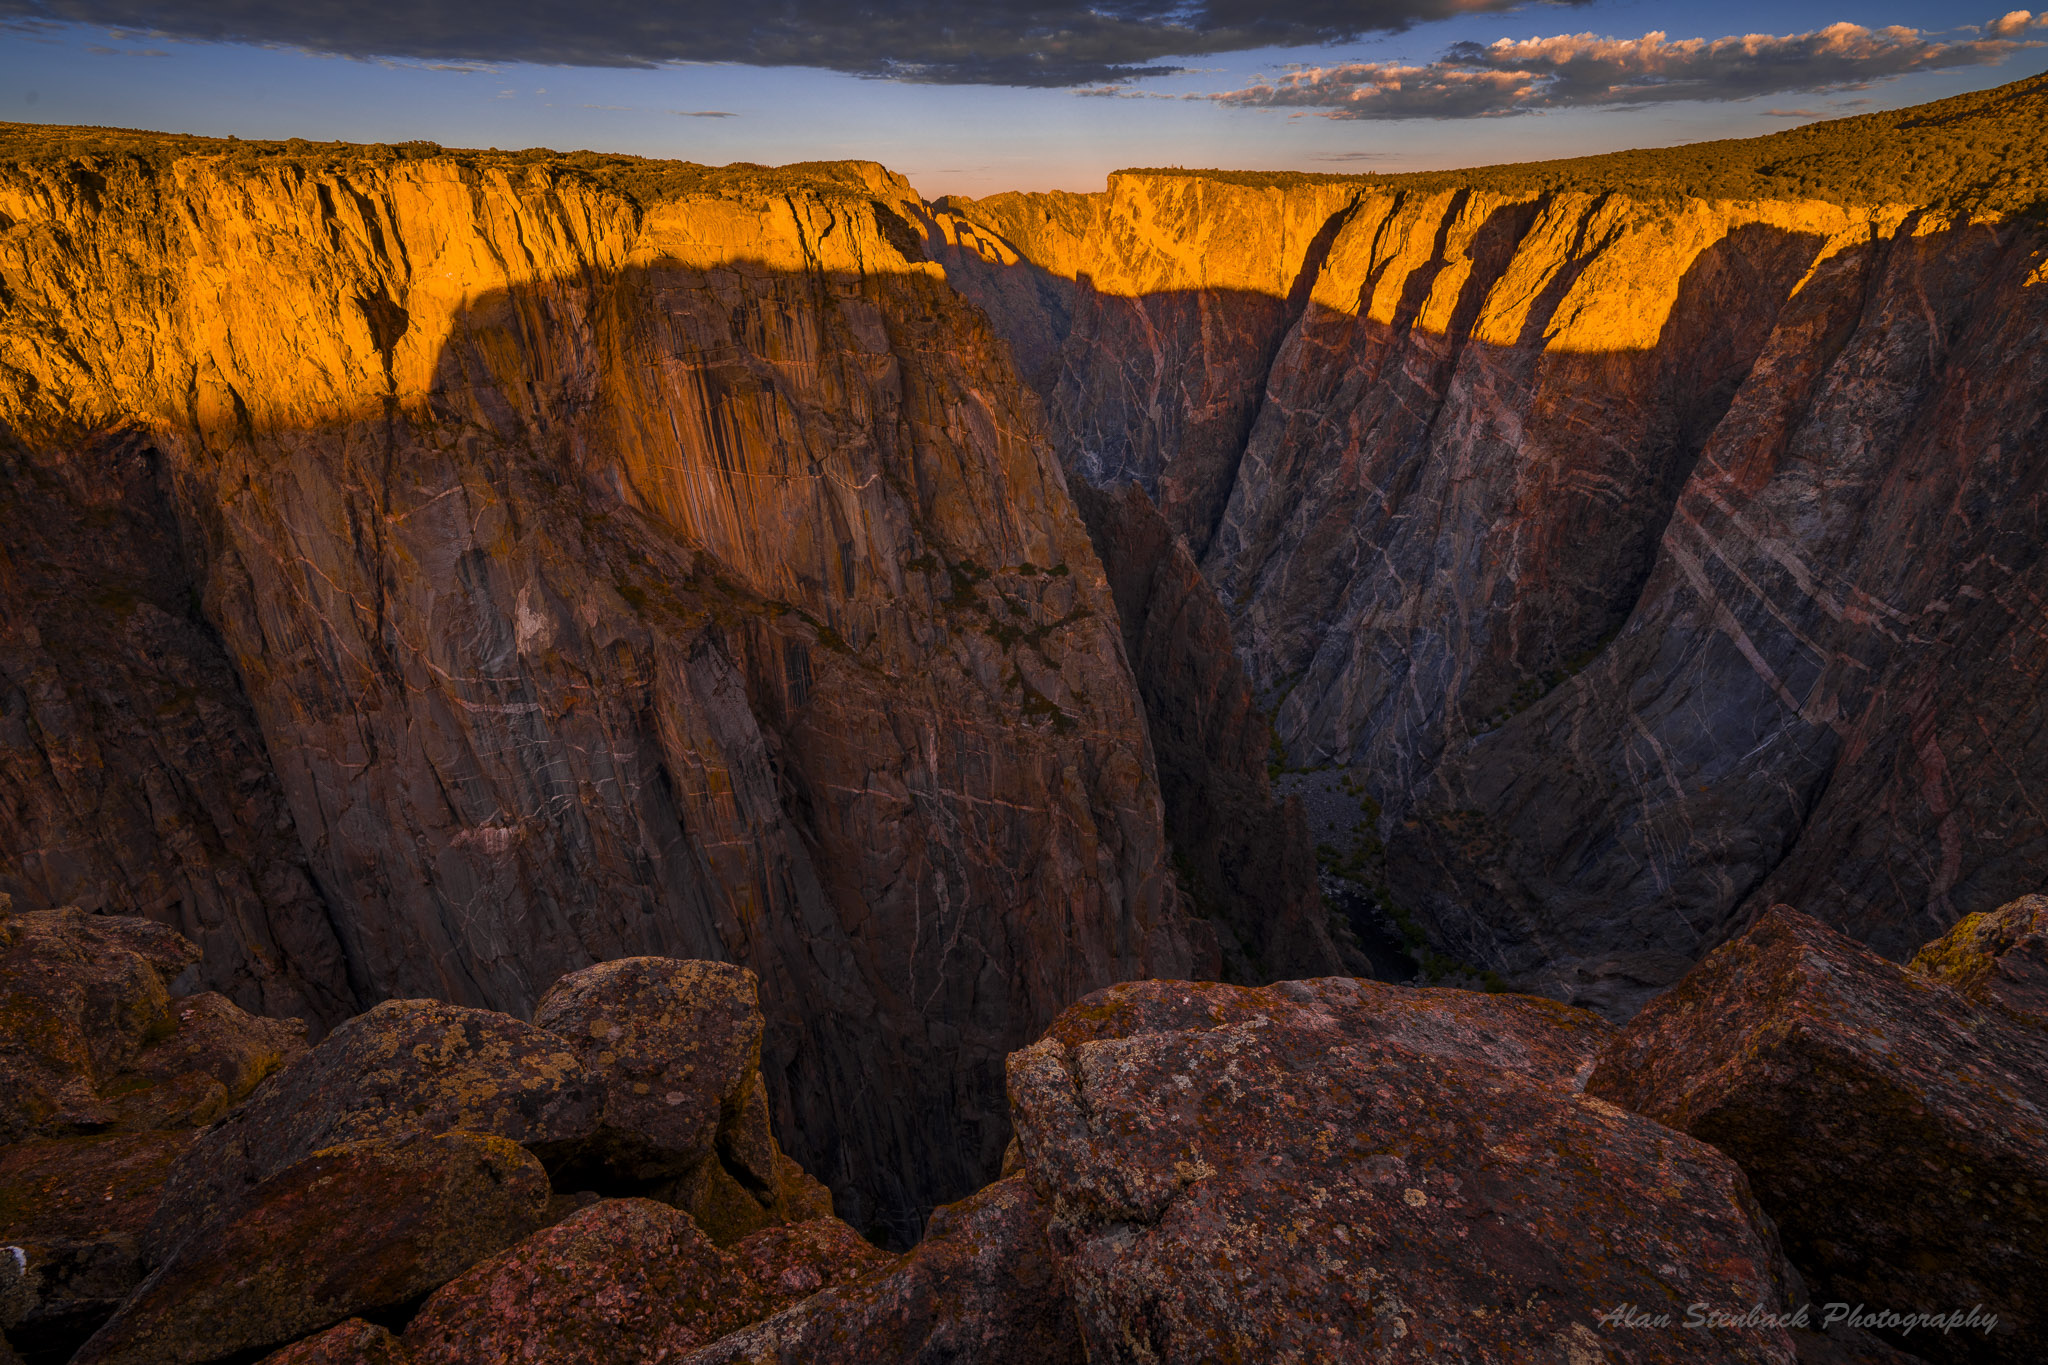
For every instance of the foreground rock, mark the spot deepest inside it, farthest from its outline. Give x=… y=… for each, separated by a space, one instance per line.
x=796 y=1260
x=1538 y=1039
x=1297 y=1174
x=677 y=1045
x=625 y=1280
x=676 y=1048
x=76 y=1208
x=405 y=1068
x=354 y=1228
x=92 y=1040
x=1897 y=1131
x=1997 y=961
x=354 y=1342
x=981 y=1286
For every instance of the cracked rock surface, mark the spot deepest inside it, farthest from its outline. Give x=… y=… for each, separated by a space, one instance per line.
x=1273 y=1175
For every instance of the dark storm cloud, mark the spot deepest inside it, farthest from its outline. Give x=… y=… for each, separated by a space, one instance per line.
x=1579 y=70
x=995 y=42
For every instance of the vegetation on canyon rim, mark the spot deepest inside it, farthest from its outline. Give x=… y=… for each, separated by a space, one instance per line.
x=1978 y=152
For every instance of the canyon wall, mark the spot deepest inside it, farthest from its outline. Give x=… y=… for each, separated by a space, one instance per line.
x=1649 y=557
x=426 y=576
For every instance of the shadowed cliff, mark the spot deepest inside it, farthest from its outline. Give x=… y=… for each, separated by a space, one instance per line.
x=602 y=579
x=1613 y=538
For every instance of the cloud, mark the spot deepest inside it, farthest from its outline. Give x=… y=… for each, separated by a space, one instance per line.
x=1582 y=70
x=703 y=113
x=2015 y=22
x=999 y=42
x=1124 y=92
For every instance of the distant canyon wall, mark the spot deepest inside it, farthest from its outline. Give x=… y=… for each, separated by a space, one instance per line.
x=1649 y=560
x=426 y=578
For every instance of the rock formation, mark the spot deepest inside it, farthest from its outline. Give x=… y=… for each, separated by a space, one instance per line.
x=559 y=565
x=1326 y=1169
x=1195 y=1143
x=406 y=1067
x=1243 y=859
x=104 y=1074
x=1894 y=1128
x=1653 y=535
x=360 y=1226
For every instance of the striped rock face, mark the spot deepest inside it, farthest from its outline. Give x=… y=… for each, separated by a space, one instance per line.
x=530 y=575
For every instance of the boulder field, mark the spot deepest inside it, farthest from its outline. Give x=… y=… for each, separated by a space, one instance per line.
x=1801 y=1153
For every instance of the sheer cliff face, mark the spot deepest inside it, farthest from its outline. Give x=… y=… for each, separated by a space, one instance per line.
x=1650 y=560
x=568 y=580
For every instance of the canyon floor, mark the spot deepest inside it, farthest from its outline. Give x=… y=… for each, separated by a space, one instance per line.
x=609 y=759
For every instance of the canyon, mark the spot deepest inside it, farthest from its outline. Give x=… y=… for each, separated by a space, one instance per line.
x=1650 y=540
x=424 y=574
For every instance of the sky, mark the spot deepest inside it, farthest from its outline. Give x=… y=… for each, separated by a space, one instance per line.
x=974 y=98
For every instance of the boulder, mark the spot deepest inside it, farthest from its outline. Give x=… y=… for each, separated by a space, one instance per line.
x=1996 y=960
x=215 y=1056
x=354 y=1342
x=795 y=1260
x=1321 y=1173
x=351 y=1229
x=1896 y=1130
x=981 y=1286
x=625 y=1281
x=729 y=1206
x=75 y=1209
x=404 y=1068
x=676 y=1047
x=92 y=1040
x=1537 y=1038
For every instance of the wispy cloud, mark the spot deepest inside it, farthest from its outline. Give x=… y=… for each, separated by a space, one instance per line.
x=1125 y=92
x=703 y=113
x=1583 y=70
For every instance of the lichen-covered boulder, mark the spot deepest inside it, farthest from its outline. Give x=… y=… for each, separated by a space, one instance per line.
x=1996 y=960
x=1287 y=1179
x=793 y=1261
x=729 y=1206
x=75 y=1208
x=676 y=1046
x=215 y=1055
x=91 y=1039
x=406 y=1067
x=1536 y=1038
x=618 y=1283
x=1895 y=1130
x=354 y=1342
x=350 y=1229
x=981 y=1287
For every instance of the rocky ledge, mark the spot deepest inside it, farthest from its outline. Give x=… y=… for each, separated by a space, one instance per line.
x=1802 y=1153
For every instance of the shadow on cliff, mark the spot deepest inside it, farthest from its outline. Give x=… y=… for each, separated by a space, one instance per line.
x=1423 y=535
x=717 y=613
